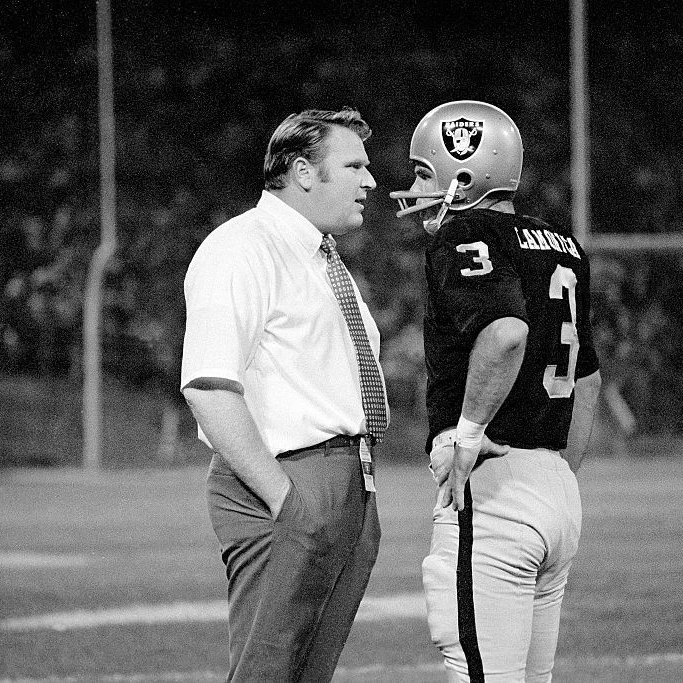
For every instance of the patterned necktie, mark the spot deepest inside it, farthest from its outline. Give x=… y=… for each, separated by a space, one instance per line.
x=371 y=385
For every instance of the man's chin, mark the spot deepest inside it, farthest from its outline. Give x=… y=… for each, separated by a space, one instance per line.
x=355 y=222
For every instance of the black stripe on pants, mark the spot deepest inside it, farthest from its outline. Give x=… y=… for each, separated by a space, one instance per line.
x=466 y=621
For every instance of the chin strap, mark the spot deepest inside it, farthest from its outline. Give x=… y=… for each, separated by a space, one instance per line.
x=432 y=225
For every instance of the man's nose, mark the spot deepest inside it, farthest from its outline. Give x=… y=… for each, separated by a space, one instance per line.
x=368 y=181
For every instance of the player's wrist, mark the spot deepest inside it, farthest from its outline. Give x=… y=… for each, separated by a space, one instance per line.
x=469 y=434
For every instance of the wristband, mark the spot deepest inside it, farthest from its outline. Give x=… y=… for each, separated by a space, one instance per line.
x=469 y=434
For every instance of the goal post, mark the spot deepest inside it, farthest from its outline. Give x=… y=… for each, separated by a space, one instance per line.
x=631 y=242
x=579 y=92
x=92 y=305
x=579 y=111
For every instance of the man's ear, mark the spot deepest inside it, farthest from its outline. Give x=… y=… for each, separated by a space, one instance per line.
x=302 y=173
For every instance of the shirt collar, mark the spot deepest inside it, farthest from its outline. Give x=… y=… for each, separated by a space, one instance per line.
x=296 y=224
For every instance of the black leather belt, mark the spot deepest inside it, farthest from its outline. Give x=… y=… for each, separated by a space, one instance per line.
x=335 y=442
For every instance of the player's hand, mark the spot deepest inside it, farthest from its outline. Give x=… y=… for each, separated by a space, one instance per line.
x=491 y=448
x=441 y=457
x=463 y=463
x=441 y=462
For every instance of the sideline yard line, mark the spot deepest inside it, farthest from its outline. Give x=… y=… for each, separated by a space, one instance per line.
x=341 y=674
x=354 y=673
x=25 y=560
x=399 y=606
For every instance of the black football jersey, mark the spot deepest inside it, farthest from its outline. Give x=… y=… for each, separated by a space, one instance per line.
x=483 y=265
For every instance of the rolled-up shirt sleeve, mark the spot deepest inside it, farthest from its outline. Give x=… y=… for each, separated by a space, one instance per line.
x=226 y=310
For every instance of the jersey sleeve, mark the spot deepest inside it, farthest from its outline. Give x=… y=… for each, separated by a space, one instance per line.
x=478 y=284
x=226 y=310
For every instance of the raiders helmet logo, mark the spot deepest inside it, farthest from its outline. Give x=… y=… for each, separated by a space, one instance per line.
x=461 y=137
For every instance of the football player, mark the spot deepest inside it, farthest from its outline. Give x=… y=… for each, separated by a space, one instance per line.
x=509 y=355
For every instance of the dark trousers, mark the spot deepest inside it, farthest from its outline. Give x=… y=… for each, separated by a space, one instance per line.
x=294 y=584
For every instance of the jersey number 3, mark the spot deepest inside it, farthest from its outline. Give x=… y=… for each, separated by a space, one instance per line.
x=562 y=386
x=482 y=258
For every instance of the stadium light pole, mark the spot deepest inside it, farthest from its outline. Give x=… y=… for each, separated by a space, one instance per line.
x=579 y=115
x=92 y=306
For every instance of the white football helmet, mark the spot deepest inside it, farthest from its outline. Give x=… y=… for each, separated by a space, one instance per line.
x=472 y=148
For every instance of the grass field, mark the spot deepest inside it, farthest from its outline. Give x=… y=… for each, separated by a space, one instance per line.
x=116 y=577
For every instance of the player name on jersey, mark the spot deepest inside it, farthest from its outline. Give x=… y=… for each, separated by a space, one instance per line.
x=546 y=240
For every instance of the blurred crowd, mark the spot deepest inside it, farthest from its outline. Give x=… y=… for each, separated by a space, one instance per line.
x=193 y=118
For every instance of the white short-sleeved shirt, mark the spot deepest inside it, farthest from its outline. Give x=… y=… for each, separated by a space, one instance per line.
x=261 y=312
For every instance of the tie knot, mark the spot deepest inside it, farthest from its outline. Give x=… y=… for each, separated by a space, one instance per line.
x=328 y=245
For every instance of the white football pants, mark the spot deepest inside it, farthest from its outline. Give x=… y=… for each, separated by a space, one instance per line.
x=496 y=572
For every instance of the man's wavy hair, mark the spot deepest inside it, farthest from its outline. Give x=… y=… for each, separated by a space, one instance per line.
x=304 y=135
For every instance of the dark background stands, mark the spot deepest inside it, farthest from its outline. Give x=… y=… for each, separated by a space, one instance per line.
x=199 y=87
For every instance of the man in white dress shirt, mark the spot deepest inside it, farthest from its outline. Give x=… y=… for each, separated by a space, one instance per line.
x=271 y=373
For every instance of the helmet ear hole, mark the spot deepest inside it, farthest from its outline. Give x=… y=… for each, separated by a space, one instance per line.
x=465 y=179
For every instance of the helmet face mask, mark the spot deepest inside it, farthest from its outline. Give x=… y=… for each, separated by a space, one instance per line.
x=473 y=149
